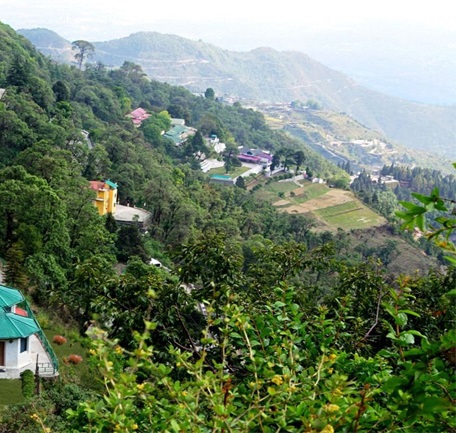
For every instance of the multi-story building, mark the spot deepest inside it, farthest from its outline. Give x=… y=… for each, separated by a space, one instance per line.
x=106 y=196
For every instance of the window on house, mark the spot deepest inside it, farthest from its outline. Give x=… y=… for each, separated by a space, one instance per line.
x=24 y=344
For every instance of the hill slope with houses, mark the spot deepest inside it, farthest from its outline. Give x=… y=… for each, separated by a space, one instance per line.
x=265 y=74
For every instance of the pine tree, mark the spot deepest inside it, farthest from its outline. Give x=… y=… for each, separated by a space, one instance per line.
x=14 y=272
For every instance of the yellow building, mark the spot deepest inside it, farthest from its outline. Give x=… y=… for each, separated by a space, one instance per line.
x=106 y=196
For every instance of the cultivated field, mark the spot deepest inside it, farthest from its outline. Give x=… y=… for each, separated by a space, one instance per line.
x=332 y=208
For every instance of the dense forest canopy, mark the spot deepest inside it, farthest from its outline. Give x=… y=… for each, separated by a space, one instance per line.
x=257 y=323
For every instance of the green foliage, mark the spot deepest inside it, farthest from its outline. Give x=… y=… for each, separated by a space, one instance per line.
x=61 y=91
x=240 y=182
x=130 y=243
x=339 y=182
x=84 y=50
x=442 y=229
x=32 y=214
x=15 y=275
x=154 y=126
x=266 y=325
x=277 y=370
x=28 y=383
x=65 y=396
x=209 y=93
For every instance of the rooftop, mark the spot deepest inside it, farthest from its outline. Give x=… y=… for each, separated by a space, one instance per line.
x=9 y=297
x=14 y=326
x=111 y=184
x=131 y=214
x=138 y=116
x=99 y=185
x=175 y=121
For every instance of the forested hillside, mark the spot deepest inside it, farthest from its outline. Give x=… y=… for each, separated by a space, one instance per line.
x=265 y=74
x=257 y=321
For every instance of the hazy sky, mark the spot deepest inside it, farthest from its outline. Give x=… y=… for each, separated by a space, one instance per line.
x=97 y=20
x=402 y=47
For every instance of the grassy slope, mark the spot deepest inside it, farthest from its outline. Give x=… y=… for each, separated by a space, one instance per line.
x=10 y=391
x=234 y=173
x=362 y=224
x=332 y=208
x=72 y=346
x=408 y=259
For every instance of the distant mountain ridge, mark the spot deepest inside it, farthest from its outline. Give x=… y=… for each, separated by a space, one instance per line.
x=50 y=44
x=265 y=74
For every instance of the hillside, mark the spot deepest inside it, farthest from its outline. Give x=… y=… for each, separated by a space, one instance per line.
x=264 y=74
x=50 y=44
x=340 y=138
x=262 y=317
x=244 y=126
x=334 y=210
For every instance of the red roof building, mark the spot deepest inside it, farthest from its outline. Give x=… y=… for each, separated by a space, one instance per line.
x=138 y=116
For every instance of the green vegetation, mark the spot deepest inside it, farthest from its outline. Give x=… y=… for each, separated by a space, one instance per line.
x=11 y=391
x=28 y=383
x=311 y=191
x=266 y=74
x=270 y=191
x=258 y=323
x=333 y=209
x=442 y=227
x=350 y=215
x=234 y=173
x=67 y=369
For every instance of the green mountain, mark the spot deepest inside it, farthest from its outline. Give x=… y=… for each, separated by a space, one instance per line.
x=265 y=74
x=262 y=319
x=50 y=44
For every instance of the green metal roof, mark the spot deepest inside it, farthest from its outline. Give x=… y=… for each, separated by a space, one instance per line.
x=15 y=326
x=111 y=184
x=175 y=133
x=9 y=297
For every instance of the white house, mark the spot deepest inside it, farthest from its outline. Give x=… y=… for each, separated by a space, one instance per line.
x=22 y=342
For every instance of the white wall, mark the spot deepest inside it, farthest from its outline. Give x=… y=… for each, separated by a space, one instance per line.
x=13 y=358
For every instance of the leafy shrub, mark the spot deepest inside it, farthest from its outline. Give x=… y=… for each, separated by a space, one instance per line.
x=65 y=396
x=28 y=383
x=43 y=320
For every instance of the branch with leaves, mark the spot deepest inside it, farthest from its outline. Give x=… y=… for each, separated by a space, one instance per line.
x=441 y=230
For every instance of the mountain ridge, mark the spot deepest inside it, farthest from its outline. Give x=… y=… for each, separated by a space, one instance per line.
x=259 y=73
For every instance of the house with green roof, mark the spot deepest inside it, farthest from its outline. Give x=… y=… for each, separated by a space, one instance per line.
x=179 y=133
x=23 y=344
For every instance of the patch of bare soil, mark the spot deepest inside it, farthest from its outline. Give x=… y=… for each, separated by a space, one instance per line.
x=332 y=198
x=281 y=203
x=299 y=191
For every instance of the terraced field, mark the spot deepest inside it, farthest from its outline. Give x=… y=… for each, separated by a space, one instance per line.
x=350 y=215
x=332 y=208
